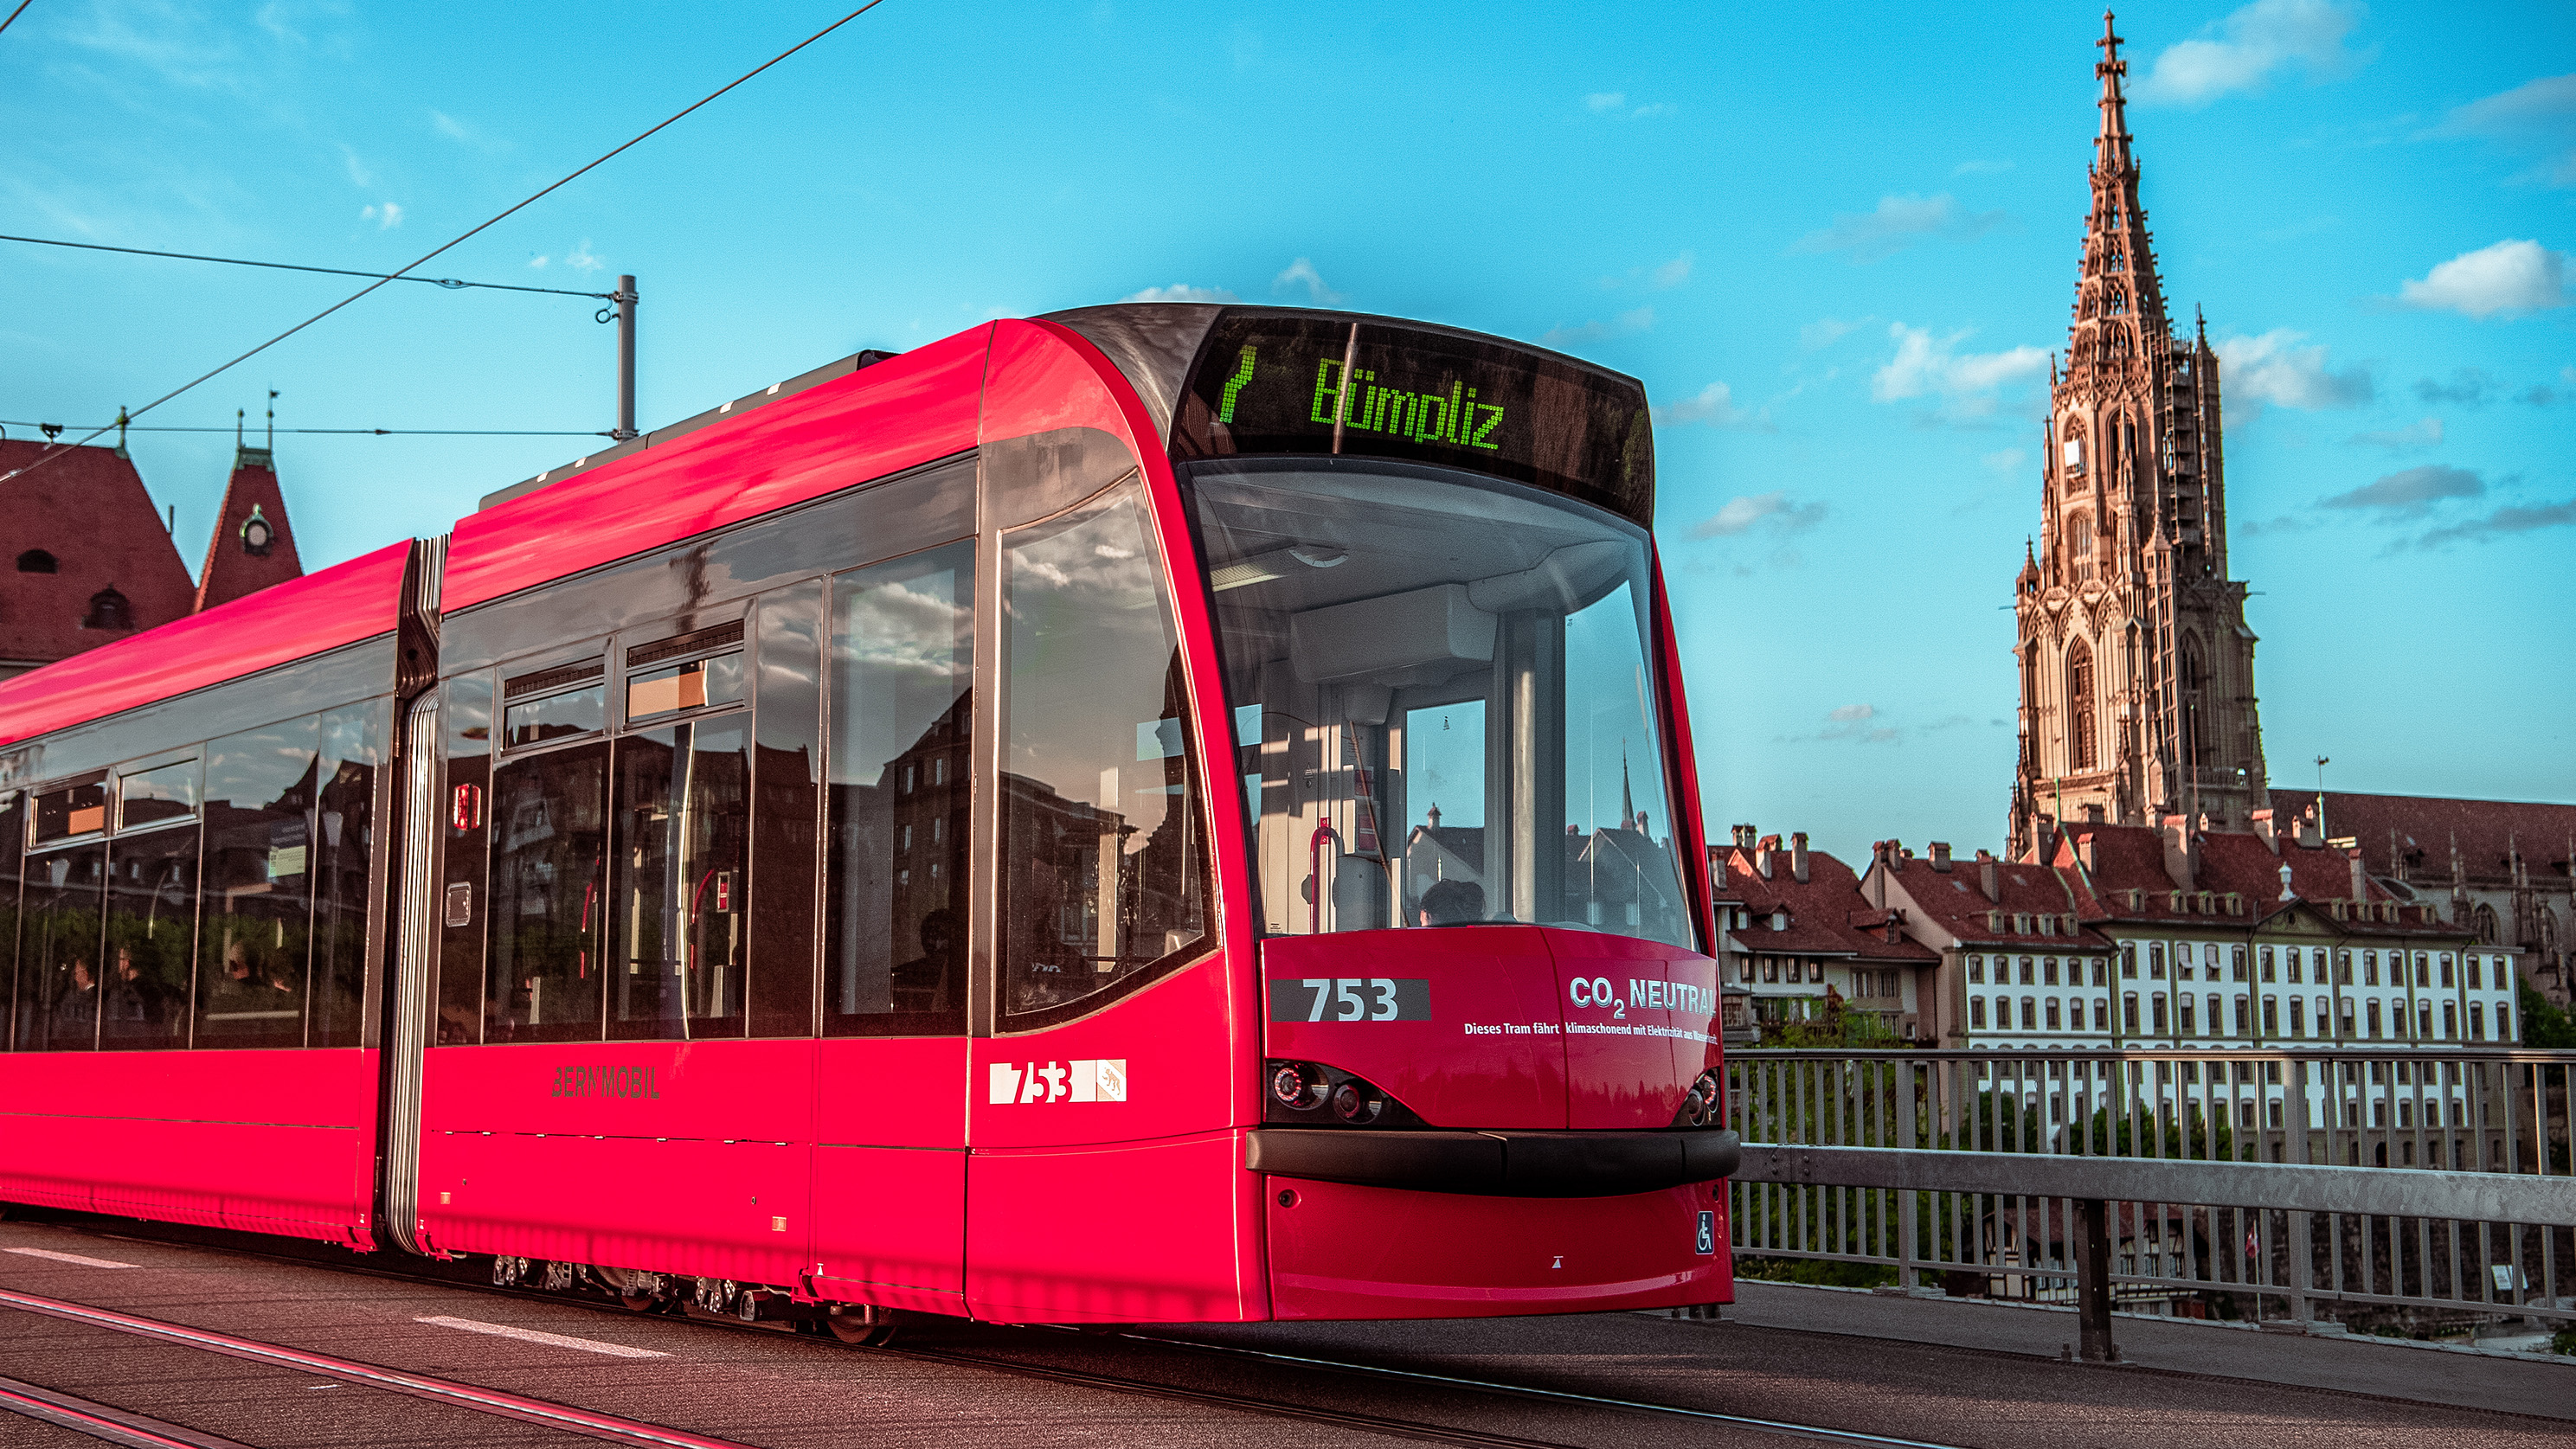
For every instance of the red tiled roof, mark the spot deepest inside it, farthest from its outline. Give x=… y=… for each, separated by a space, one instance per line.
x=2421 y=829
x=232 y=570
x=2103 y=864
x=1956 y=899
x=1828 y=915
x=87 y=508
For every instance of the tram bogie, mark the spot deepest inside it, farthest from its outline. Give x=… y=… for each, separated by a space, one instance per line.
x=1164 y=813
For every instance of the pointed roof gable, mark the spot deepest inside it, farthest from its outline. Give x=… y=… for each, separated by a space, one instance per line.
x=2119 y=304
x=253 y=547
x=78 y=527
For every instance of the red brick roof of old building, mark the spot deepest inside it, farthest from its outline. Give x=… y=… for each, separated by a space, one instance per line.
x=232 y=570
x=1828 y=915
x=2119 y=873
x=87 y=510
x=2409 y=837
x=1955 y=899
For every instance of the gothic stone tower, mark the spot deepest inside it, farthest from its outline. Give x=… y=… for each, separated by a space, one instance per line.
x=2137 y=670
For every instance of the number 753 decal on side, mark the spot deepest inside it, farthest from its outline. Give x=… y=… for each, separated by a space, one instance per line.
x=1351 y=998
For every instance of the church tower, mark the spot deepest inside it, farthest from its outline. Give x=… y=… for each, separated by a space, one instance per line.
x=2137 y=670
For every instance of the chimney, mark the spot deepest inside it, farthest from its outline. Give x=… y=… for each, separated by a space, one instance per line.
x=1987 y=880
x=1743 y=837
x=1798 y=855
x=2360 y=877
x=1762 y=854
x=2308 y=833
x=1941 y=856
x=1716 y=868
x=2181 y=853
x=2263 y=828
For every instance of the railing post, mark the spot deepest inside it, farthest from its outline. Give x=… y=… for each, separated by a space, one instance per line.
x=1906 y=1203
x=2093 y=1282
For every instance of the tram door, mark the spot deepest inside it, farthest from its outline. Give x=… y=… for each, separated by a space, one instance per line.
x=1103 y=1177
x=890 y=1168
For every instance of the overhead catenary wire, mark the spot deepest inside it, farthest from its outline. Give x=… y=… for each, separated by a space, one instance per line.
x=14 y=14
x=462 y=237
x=364 y=432
x=450 y=283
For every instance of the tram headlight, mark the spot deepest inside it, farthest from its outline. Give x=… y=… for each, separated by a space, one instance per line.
x=1298 y=1086
x=1699 y=1104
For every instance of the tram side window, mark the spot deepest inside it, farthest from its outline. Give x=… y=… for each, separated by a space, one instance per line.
x=58 y=972
x=353 y=749
x=151 y=934
x=13 y=836
x=1103 y=860
x=465 y=712
x=787 y=759
x=549 y=900
x=682 y=834
x=895 y=892
x=255 y=911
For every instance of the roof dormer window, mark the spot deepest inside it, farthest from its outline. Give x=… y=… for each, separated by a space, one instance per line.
x=108 y=609
x=37 y=561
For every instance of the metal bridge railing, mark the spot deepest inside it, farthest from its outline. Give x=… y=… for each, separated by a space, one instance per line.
x=2298 y=1184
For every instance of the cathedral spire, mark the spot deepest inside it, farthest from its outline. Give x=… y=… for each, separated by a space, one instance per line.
x=2111 y=149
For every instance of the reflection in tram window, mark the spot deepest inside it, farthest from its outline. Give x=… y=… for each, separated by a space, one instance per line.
x=255 y=902
x=787 y=761
x=1454 y=683
x=353 y=747
x=683 y=827
x=13 y=836
x=549 y=906
x=1103 y=871
x=903 y=654
x=151 y=935
x=58 y=972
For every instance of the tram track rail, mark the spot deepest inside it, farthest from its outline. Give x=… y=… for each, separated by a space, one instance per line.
x=616 y=1429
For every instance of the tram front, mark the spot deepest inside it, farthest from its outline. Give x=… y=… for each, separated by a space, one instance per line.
x=1489 y=1082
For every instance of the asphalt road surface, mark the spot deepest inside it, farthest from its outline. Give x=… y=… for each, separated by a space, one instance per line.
x=1591 y=1380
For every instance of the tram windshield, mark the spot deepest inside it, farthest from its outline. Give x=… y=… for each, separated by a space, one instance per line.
x=1443 y=703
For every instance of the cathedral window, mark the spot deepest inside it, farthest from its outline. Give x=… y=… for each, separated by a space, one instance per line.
x=2080 y=742
x=2485 y=924
x=2079 y=543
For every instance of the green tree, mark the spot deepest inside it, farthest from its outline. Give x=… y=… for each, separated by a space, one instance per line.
x=2544 y=1025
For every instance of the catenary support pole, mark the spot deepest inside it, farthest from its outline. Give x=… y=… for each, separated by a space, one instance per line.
x=625 y=358
x=2093 y=1281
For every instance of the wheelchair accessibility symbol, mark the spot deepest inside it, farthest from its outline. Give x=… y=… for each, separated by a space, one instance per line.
x=1707 y=1232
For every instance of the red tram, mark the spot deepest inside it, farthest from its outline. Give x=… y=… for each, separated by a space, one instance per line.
x=1152 y=813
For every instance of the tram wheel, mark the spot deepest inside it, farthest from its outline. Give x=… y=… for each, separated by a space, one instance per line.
x=867 y=1328
x=639 y=1302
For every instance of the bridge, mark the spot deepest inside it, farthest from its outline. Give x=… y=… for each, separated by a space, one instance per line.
x=2000 y=1248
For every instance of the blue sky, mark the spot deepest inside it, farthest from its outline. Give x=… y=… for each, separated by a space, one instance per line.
x=1836 y=244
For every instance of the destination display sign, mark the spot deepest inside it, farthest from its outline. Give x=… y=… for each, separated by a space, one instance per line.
x=1300 y=383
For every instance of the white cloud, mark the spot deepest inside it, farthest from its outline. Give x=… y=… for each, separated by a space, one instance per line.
x=1302 y=273
x=1898 y=223
x=2509 y=278
x=1742 y=514
x=1182 y=292
x=1620 y=326
x=2273 y=368
x=1673 y=273
x=2538 y=112
x=1858 y=723
x=1606 y=100
x=537 y=263
x=580 y=259
x=1825 y=332
x=2256 y=41
x=358 y=172
x=1980 y=167
x=386 y=217
x=1716 y=407
x=2411 y=491
x=2005 y=462
x=450 y=127
x=2414 y=439
x=1659 y=108
x=1924 y=365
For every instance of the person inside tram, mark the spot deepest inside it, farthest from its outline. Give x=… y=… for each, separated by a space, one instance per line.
x=78 y=1008
x=131 y=998
x=1453 y=903
x=922 y=984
